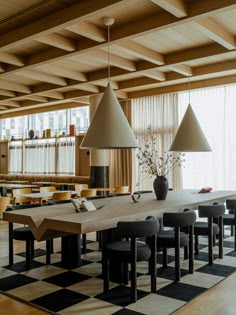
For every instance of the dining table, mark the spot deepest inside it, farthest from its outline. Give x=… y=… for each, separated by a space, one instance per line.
x=39 y=196
x=62 y=219
x=9 y=186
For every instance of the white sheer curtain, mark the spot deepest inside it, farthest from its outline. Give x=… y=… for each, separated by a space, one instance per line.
x=161 y=112
x=15 y=158
x=216 y=111
x=39 y=157
x=66 y=156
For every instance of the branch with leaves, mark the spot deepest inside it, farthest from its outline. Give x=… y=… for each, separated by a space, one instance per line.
x=154 y=164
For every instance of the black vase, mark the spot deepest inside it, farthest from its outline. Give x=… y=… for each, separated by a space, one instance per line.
x=161 y=186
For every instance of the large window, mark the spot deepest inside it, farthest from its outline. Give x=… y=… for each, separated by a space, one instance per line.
x=161 y=113
x=43 y=156
x=216 y=111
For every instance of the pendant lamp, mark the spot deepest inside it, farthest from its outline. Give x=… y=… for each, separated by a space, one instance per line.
x=109 y=128
x=189 y=136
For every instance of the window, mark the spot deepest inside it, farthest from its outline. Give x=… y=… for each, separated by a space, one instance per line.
x=44 y=156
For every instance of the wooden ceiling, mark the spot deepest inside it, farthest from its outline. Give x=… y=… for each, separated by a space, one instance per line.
x=56 y=51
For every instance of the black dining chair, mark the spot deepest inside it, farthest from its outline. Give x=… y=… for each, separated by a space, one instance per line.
x=129 y=250
x=174 y=238
x=209 y=228
x=24 y=233
x=229 y=218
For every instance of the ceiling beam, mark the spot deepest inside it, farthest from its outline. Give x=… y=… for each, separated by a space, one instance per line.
x=182 y=69
x=12 y=59
x=184 y=87
x=154 y=74
x=64 y=72
x=176 y=7
x=38 y=98
x=57 y=21
x=115 y=60
x=89 y=30
x=40 y=76
x=58 y=41
x=53 y=94
x=7 y=93
x=10 y=103
x=216 y=32
x=7 y=85
x=142 y=52
x=163 y=20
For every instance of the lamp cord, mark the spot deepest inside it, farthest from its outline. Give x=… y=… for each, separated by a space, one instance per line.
x=189 y=90
x=108 y=54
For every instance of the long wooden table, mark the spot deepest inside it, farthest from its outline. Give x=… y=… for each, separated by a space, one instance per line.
x=58 y=220
x=62 y=217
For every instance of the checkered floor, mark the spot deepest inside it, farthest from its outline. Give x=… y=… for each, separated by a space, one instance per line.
x=79 y=291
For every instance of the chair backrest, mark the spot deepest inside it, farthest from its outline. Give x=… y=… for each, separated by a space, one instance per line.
x=21 y=191
x=63 y=195
x=179 y=219
x=211 y=211
x=47 y=189
x=133 y=229
x=231 y=204
x=79 y=187
x=121 y=190
x=4 y=202
x=88 y=193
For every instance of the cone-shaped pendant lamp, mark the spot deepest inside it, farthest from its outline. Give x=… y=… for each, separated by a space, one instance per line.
x=189 y=136
x=109 y=128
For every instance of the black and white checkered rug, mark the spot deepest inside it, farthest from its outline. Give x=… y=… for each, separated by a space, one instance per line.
x=80 y=290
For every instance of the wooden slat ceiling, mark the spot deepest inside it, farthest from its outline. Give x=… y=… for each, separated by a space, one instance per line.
x=56 y=51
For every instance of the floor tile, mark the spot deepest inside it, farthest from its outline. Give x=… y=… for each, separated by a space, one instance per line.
x=200 y=279
x=91 y=306
x=119 y=295
x=59 y=300
x=15 y=281
x=34 y=290
x=93 y=269
x=44 y=272
x=217 y=269
x=66 y=279
x=181 y=291
x=154 y=304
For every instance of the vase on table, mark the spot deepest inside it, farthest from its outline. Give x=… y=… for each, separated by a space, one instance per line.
x=161 y=186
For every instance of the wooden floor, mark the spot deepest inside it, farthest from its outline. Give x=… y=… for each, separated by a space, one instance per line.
x=219 y=300
x=11 y=307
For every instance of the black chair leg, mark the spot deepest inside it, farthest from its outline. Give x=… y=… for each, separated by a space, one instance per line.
x=191 y=256
x=152 y=264
x=221 y=237
x=48 y=251
x=165 y=258
x=177 y=254
x=10 y=245
x=210 y=241
x=125 y=275
x=28 y=254
x=32 y=249
x=105 y=272
x=133 y=282
x=232 y=230
x=196 y=245
x=84 y=243
x=185 y=252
